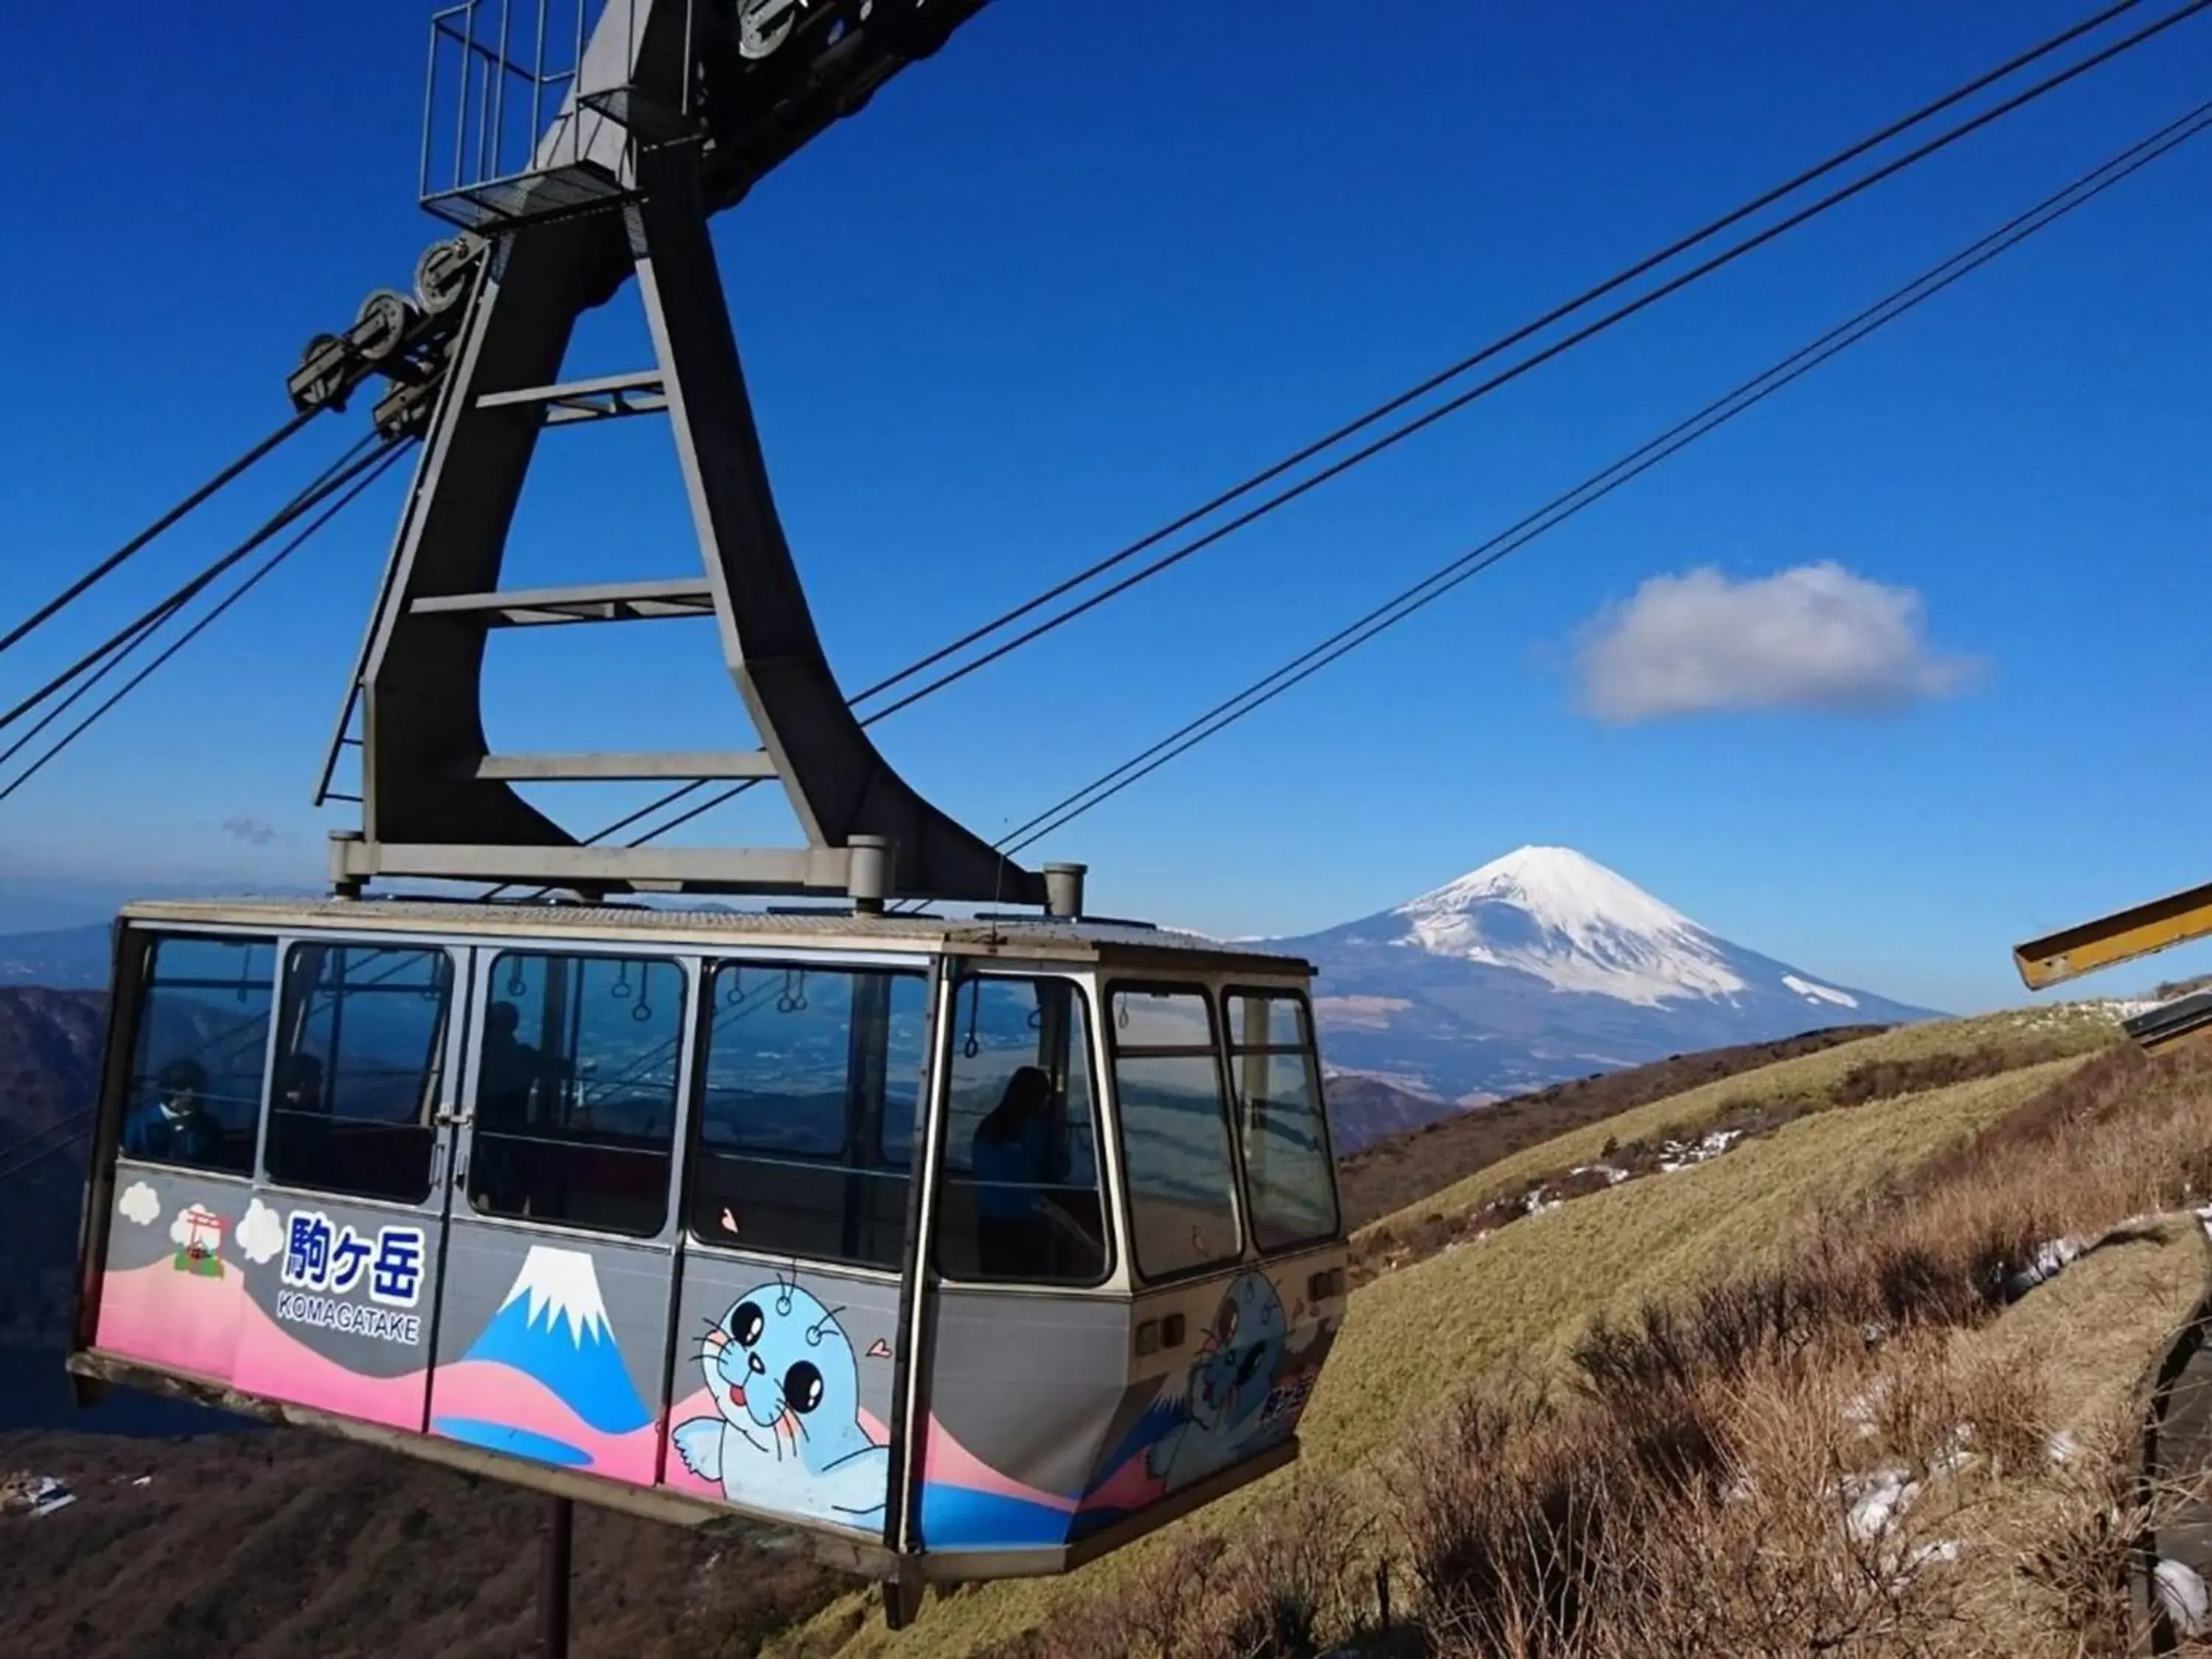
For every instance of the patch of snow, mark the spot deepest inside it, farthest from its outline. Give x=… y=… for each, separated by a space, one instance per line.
x=1879 y=1503
x=1676 y=1155
x=1812 y=992
x=2118 y=1008
x=2181 y=1592
x=2049 y=1260
x=1862 y=1410
x=1587 y=929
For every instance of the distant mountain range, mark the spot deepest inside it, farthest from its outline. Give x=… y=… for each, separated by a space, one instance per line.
x=66 y=958
x=1539 y=967
x=1542 y=966
x=49 y=1066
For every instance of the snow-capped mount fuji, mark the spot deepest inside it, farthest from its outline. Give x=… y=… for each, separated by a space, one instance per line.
x=1575 y=925
x=1545 y=965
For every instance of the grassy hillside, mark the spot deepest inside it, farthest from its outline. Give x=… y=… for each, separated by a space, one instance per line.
x=1522 y=1301
x=1387 y=1175
x=1808 y=1083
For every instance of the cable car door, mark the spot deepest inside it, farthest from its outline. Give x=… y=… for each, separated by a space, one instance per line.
x=559 y=1261
x=341 y=1237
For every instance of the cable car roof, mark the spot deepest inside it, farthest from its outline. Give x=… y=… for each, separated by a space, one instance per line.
x=1103 y=943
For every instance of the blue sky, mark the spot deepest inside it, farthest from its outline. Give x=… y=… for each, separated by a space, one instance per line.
x=1088 y=264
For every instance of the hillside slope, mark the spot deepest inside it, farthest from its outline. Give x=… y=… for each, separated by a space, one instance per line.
x=1413 y=1338
x=1386 y=1172
x=49 y=1069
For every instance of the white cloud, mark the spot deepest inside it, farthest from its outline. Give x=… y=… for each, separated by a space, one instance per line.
x=139 y=1203
x=260 y=1234
x=1816 y=636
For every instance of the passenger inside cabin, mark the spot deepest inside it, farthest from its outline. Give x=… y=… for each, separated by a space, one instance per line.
x=300 y=1130
x=1014 y=1156
x=300 y=1086
x=174 y=1126
x=508 y=1072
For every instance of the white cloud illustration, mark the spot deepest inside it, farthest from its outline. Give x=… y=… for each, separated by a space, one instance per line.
x=1816 y=636
x=139 y=1203
x=261 y=1234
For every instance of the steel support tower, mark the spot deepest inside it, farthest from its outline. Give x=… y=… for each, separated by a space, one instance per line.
x=669 y=112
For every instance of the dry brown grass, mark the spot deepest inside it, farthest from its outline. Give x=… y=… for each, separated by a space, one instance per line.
x=1399 y=1170
x=1702 y=1478
x=1871 y=1070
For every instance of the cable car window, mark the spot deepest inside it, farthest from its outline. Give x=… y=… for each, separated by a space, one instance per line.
x=1021 y=1200
x=1281 y=1130
x=576 y=1089
x=1175 y=1130
x=361 y=1057
x=798 y=1147
x=194 y=1094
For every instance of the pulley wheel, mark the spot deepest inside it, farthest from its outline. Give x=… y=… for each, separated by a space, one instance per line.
x=328 y=387
x=764 y=25
x=385 y=319
x=441 y=275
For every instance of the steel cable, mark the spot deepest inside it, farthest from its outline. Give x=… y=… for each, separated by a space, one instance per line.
x=126 y=638
x=1409 y=601
x=99 y=571
x=345 y=487
x=1559 y=313
x=1430 y=417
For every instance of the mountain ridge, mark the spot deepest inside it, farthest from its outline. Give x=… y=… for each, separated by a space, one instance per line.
x=1542 y=966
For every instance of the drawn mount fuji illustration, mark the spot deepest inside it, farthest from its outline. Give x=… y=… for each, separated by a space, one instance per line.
x=552 y=1331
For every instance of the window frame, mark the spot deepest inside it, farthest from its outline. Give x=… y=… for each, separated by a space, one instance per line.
x=483 y=956
x=456 y=1028
x=149 y=936
x=1225 y=1097
x=708 y=967
x=1081 y=989
x=1310 y=1049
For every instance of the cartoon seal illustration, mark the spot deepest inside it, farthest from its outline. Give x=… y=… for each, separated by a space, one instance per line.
x=782 y=1376
x=1229 y=1385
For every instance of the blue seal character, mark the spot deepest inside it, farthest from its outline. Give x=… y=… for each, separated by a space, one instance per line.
x=1229 y=1385
x=788 y=1436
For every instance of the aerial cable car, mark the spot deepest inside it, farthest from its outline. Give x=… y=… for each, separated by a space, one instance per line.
x=970 y=1247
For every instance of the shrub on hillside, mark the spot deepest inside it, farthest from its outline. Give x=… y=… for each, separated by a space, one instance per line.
x=1794 y=1460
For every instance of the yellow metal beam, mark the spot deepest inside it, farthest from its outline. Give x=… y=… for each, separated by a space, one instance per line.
x=2121 y=937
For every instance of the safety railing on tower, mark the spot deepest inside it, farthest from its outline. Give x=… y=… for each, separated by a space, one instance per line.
x=532 y=108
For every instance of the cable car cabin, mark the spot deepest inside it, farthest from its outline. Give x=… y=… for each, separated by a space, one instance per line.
x=974 y=1248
